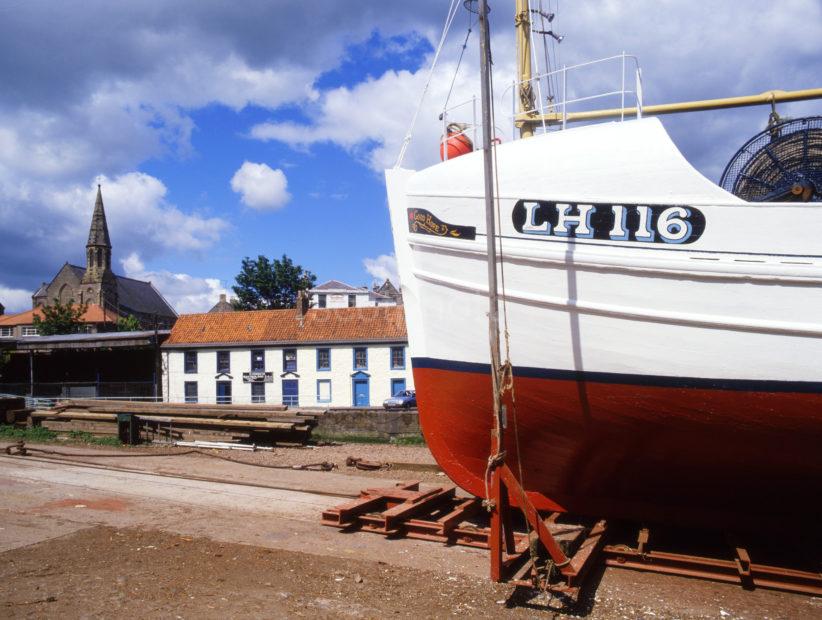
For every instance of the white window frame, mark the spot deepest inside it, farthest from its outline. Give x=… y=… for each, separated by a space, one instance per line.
x=330 y=394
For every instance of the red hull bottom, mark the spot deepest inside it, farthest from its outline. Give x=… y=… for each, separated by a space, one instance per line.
x=697 y=456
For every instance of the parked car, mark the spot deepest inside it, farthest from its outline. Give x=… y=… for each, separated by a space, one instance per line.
x=404 y=399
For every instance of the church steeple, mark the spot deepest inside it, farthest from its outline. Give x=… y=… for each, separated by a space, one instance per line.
x=98 y=248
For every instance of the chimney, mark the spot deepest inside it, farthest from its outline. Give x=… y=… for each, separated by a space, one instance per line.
x=222 y=297
x=303 y=303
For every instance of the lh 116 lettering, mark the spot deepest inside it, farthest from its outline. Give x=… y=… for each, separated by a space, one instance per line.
x=614 y=222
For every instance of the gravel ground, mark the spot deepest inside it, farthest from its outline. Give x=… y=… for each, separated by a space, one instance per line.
x=105 y=572
x=112 y=569
x=404 y=462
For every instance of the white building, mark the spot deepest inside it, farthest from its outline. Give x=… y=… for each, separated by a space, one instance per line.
x=339 y=357
x=336 y=294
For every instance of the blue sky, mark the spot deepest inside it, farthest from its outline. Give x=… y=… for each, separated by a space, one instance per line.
x=222 y=131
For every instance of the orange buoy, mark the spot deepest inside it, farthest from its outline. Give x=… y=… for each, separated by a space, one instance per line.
x=457 y=142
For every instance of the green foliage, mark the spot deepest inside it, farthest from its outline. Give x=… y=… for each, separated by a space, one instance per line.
x=264 y=284
x=41 y=434
x=128 y=324
x=414 y=440
x=84 y=437
x=60 y=318
x=33 y=433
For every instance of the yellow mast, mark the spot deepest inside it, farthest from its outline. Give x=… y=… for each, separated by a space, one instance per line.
x=522 y=21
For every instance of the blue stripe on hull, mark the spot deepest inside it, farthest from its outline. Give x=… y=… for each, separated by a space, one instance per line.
x=743 y=385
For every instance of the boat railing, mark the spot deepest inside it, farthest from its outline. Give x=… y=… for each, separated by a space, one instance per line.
x=548 y=111
x=449 y=116
x=459 y=114
x=552 y=93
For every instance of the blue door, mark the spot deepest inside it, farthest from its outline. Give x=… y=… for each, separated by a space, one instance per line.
x=397 y=385
x=223 y=392
x=291 y=391
x=361 y=393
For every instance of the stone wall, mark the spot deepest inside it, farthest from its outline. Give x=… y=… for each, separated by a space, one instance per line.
x=369 y=422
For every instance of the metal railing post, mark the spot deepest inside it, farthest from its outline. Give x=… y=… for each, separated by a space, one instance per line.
x=514 y=109
x=474 y=121
x=622 y=89
x=564 y=95
x=638 y=93
x=444 y=138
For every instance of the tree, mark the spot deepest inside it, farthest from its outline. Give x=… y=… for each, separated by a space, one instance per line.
x=59 y=318
x=265 y=284
x=128 y=324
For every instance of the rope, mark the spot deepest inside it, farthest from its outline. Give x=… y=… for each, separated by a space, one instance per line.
x=22 y=450
x=452 y=11
x=505 y=377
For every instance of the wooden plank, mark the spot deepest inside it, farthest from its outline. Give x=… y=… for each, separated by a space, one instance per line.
x=230 y=416
x=73 y=415
x=129 y=405
x=217 y=422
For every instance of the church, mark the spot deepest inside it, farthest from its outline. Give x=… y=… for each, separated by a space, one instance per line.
x=97 y=285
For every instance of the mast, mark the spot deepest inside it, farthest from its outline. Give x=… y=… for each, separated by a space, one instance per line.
x=522 y=21
x=490 y=224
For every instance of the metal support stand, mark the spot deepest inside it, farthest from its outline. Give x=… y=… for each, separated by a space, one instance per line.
x=439 y=515
x=739 y=570
x=564 y=552
x=504 y=556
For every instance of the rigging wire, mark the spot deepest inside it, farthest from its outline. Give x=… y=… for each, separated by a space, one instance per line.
x=548 y=65
x=459 y=61
x=535 y=56
x=452 y=11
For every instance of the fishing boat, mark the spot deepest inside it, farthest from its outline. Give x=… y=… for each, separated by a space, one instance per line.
x=664 y=333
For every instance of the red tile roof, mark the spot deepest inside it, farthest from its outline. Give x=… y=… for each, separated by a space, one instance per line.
x=93 y=314
x=376 y=324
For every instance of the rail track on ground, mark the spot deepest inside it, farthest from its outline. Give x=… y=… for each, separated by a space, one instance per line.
x=64 y=460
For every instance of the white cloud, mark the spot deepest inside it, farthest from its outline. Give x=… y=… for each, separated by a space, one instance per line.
x=15 y=299
x=370 y=119
x=756 y=44
x=260 y=187
x=50 y=221
x=138 y=215
x=184 y=292
x=382 y=268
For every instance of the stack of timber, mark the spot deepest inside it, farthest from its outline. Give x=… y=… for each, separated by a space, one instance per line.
x=13 y=410
x=260 y=424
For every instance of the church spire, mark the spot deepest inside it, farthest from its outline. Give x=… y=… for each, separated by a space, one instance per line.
x=98 y=248
x=98 y=233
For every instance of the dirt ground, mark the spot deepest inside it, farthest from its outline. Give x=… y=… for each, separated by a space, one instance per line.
x=406 y=462
x=106 y=572
x=79 y=540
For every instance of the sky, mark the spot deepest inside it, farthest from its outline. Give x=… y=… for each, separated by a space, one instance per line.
x=224 y=130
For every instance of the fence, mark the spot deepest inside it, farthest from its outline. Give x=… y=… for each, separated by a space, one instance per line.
x=125 y=390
